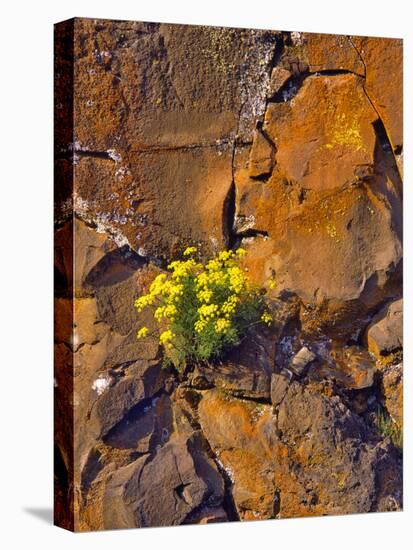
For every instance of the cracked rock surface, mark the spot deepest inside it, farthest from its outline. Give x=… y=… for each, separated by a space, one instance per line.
x=289 y=145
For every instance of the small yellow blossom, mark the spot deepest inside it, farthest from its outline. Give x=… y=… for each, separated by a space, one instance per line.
x=205 y=296
x=144 y=301
x=208 y=310
x=142 y=332
x=266 y=317
x=190 y=250
x=166 y=337
x=225 y=255
x=222 y=325
x=240 y=252
x=272 y=283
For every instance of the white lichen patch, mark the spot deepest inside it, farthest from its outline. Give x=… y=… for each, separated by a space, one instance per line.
x=100 y=384
x=243 y=223
x=114 y=155
x=296 y=38
x=104 y=222
x=121 y=172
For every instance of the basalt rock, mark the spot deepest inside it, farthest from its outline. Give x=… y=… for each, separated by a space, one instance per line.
x=385 y=333
x=164 y=489
x=289 y=145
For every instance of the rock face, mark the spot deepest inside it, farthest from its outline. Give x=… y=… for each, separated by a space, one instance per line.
x=385 y=333
x=289 y=145
x=163 y=490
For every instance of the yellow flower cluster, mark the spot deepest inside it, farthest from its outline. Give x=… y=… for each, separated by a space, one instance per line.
x=222 y=325
x=166 y=338
x=190 y=250
x=168 y=312
x=266 y=317
x=228 y=307
x=183 y=269
x=199 y=305
x=142 y=332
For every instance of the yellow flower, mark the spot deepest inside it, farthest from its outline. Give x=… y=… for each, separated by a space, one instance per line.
x=204 y=295
x=166 y=337
x=225 y=255
x=190 y=250
x=142 y=332
x=200 y=325
x=236 y=279
x=144 y=301
x=266 y=317
x=207 y=310
x=222 y=325
x=272 y=283
x=240 y=252
x=230 y=304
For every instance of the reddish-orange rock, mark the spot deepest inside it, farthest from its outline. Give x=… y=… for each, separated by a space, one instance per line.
x=383 y=58
x=321 y=52
x=237 y=431
x=330 y=210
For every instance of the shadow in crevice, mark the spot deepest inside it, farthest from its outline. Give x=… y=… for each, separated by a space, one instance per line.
x=44 y=514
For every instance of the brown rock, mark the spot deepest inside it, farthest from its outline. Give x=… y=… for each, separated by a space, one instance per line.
x=144 y=427
x=279 y=385
x=279 y=77
x=322 y=52
x=164 y=489
x=240 y=434
x=392 y=384
x=234 y=378
x=383 y=58
x=325 y=464
x=330 y=118
x=385 y=333
x=301 y=360
x=352 y=368
x=158 y=109
x=333 y=191
x=261 y=156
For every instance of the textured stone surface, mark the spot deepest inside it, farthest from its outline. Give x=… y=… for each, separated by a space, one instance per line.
x=333 y=472
x=327 y=212
x=383 y=58
x=162 y=490
x=279 y=385
x=240 y=433
x=287 y=144
x=385 y=333
x=392 y=383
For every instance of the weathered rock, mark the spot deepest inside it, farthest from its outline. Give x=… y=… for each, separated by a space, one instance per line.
x=241 y=434
x=279 y=385
x=163 y=489
x=321 y=52
x=234 y=378
x=326 y=463
x=144 y=427
x=392 y=384
x=279 y=77
x=385 y=333
x=330 y=118
x=117 y=397
x=301 y=360
x=90 y=247
x=351 y=367
x=322 y=190
x=291 y=145
x=383 y=58
x=158 y=108
x=261 y=156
